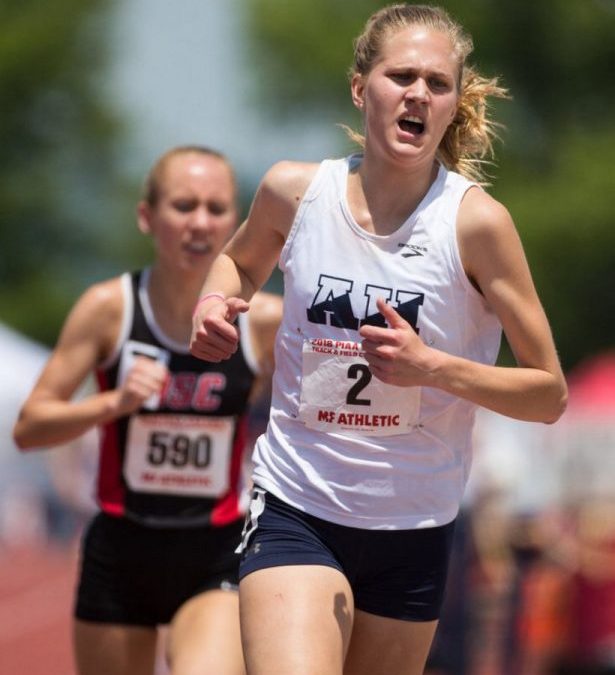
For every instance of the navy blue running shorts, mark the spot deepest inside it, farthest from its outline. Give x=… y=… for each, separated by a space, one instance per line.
x=137 y=575
x=400 y=574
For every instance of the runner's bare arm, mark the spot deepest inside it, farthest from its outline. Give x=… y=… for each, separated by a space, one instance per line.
x=248 y=259
x=49 y=416
x=494 y=260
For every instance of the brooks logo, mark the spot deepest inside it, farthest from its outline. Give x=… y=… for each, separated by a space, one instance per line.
x=412 y=250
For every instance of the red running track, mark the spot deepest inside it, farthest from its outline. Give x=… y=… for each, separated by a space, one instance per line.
x=36 y=598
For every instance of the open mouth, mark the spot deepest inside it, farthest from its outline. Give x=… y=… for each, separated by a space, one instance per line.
x=198 y=248
x=412 y=125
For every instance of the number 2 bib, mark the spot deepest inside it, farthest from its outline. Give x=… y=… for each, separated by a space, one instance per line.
x=339 y=393
x=186 y=455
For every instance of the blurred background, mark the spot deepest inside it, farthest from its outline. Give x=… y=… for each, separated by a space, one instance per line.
x=93 y=91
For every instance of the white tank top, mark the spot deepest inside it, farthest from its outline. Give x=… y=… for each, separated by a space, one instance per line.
x=340 y=444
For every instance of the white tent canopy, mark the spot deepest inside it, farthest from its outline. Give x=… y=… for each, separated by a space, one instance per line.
x=21 y=361
x=24 y=478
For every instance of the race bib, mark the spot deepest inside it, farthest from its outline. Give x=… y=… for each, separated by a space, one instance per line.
x=186 y=455
x=339 y=393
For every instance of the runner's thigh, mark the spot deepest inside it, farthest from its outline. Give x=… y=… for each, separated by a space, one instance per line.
x=109 y=649
x=295 y=620
x=204 y=635
x=384 y=646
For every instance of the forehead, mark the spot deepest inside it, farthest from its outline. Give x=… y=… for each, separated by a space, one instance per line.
x=197 y=171
x=419 y=46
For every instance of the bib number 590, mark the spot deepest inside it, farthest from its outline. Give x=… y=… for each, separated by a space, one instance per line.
x=179 y=450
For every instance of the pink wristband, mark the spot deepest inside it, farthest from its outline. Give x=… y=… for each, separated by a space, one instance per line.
x=207 y=296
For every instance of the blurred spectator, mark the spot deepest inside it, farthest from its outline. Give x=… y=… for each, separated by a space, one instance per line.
x=539 y=622
x=592 y=644
x=449 y=652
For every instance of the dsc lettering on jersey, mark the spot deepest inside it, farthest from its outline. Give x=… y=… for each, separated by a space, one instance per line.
x=184 y=391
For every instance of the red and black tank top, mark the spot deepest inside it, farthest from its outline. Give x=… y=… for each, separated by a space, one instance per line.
x=177 y=461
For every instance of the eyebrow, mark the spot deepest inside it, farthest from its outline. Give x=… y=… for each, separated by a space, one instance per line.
x=431 y=70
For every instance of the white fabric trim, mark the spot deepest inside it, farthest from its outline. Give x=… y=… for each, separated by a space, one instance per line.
x=127 y=315
x=150 y=319
x=246 y=341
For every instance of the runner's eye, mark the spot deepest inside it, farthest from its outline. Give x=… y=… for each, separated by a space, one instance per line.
x=184 y=205
x=439 y=84
x=218 y=208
